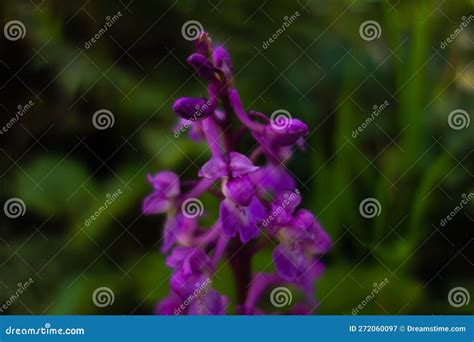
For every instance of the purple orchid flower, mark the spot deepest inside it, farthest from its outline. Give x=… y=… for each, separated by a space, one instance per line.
x=258 y=200
x=240 y=211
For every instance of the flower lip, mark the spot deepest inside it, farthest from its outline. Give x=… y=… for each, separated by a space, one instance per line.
x=240 y=190
x=234 y=218
x=193 y=108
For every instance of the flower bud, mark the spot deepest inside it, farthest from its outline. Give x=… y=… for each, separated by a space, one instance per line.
x=285 y=135
x=221 y=57
x=192 y=108
x=202 y=66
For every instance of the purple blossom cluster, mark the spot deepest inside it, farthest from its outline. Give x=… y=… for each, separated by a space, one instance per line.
x=252 y=189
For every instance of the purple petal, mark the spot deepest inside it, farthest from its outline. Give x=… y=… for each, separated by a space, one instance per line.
x=193 y=128
x=221 y=57
x=166 y=185
x=177 y=256
x=286 y=133
x=254 y=214
x=228 y=219
x=169 y=234
x=322 y=242
x=304 y=224
x=193 y=108
x=289 y=261
x=170 y=305
x=272 y=179
x=283 y=207
x=155 y=203
x=212 y=303
x=185 y=284
x=214 y=169
x=257 y=210
x=202 y=66
x=240 y=190
x=240 y=164
x=189 y=259
x=234 y=217
x=203 y=43
x=166 y=182
x=178 y=228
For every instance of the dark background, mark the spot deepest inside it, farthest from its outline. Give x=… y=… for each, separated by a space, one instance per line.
x=320 y=69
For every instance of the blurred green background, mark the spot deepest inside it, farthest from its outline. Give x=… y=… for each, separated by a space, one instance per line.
x=320 y=69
